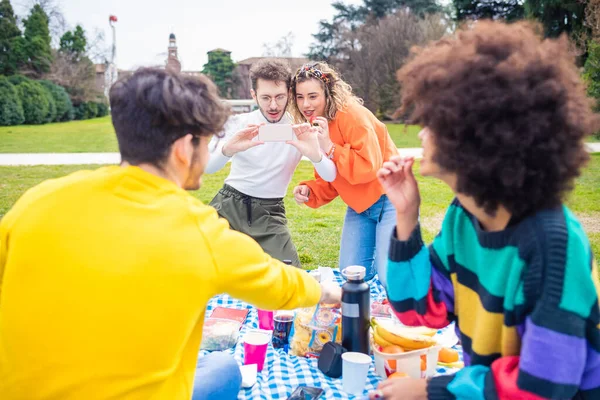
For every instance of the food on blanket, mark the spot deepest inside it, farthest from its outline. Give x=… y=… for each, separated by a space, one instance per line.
x=448 y=356
x=219 y=334
x=392 y=349
x=404 y=337
x=313 y=327
x=398 y=375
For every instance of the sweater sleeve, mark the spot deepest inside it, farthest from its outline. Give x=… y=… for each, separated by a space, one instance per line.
x=560 y=343
x=248 y=272
x=217 y=159
x=419 y=287
x=359 y=158
x=326 y=169
x=321 y=191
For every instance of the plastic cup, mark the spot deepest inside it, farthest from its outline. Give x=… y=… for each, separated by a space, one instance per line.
x=255 y=348
x=355 y=368
x=265 y=320
x=282 y=322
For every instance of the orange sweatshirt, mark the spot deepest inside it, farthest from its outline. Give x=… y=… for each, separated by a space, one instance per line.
x=362 y=144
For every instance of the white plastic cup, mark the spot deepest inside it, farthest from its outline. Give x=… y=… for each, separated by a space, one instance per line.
x=355 y=368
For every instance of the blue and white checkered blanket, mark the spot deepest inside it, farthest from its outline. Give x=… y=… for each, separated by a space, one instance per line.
x=283 y=373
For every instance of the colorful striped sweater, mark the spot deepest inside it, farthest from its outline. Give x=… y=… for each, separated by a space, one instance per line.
x=525 y=303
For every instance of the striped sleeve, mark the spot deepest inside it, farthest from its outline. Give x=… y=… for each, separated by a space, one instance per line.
x=419 y=286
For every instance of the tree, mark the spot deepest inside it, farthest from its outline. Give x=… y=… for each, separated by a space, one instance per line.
x=509 y=10
x=220 y=69
x=11 y=109
x=78 y=78
x=37 y=41
x=11 y=41
x=389 y=42
x=558 y=16
x=74 y=43
x=281 y=48
x=56 y=20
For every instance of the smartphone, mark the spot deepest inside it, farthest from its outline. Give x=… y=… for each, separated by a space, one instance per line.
x=275 y=133
x=306 y=393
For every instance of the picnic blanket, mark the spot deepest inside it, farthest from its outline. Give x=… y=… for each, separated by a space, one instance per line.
x=283 y=373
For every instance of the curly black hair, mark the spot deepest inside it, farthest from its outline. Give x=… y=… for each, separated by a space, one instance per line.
x=508 y=113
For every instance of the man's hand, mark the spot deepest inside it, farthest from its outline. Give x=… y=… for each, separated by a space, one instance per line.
x=301 y=194
x=242 y=141
x=396 y=177
x=401 y=389
x=323 y=134
x=307 y=142
x=331 y=293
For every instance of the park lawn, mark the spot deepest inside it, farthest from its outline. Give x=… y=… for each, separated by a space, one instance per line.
x=316 y=233
x=97 y=136
x=90 y=136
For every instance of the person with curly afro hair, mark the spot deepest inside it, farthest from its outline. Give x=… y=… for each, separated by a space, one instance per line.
x=504 y=116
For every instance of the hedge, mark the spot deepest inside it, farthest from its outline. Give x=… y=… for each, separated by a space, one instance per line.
x=11 y=109
x=36 y=101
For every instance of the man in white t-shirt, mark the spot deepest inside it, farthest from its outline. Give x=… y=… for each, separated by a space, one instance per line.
x=252 y=196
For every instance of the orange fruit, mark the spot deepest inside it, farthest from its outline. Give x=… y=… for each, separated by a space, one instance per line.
x=448 y=355
x=398 y=375
x=423 y=363
x=392 y=350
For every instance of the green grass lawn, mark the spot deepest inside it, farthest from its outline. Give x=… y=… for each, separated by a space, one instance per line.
x=98 y=136
x=90 y=136
x=317 y=233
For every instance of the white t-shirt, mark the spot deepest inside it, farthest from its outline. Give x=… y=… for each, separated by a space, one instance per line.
x=263 y=171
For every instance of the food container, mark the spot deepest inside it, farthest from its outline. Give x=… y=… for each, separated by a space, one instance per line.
x=220 y=334
x=408 y=362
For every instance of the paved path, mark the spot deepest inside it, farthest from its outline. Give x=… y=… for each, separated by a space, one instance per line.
x=114 y=158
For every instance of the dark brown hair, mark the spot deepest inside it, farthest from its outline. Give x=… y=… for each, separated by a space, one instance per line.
x=271 y=69
x=153 y=108
x=508 y=113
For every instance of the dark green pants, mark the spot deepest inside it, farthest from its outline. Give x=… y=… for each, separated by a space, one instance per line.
x=262 y=219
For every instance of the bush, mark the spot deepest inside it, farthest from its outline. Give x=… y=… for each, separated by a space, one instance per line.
x=17 y=79
x=51 y=105
x=36 y=101
x=102 y=109
x=64 y=107
x=11 y=109
x=86 y=110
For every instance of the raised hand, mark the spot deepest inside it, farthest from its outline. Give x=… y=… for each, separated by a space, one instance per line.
x=301 y=194
x=399 y=183
x=242 y=141
x=307 y=142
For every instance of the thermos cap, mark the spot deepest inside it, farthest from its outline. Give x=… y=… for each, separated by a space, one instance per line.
x=354 y=272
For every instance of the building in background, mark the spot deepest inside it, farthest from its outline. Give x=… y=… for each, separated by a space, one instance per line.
x=242 y=73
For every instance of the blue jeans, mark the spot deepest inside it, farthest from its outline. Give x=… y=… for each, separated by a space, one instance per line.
x=366 y=238
x=218 y=376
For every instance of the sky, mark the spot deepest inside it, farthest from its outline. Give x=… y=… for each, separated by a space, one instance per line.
x=240 y=26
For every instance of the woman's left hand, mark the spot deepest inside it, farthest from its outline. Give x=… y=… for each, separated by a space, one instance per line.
x=401 y=389
x=323 y=134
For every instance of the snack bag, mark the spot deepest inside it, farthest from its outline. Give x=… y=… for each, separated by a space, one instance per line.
x=313 y=327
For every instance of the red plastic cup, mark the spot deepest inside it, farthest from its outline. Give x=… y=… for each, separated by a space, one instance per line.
x=265 y=320
x=255 y=348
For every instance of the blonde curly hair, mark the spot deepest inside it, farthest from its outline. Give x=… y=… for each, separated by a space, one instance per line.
x=338 y=94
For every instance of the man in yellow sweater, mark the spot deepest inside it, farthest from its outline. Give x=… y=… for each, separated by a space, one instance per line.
x=105 y=275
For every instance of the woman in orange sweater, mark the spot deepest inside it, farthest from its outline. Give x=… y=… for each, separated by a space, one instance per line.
x=358 y=143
